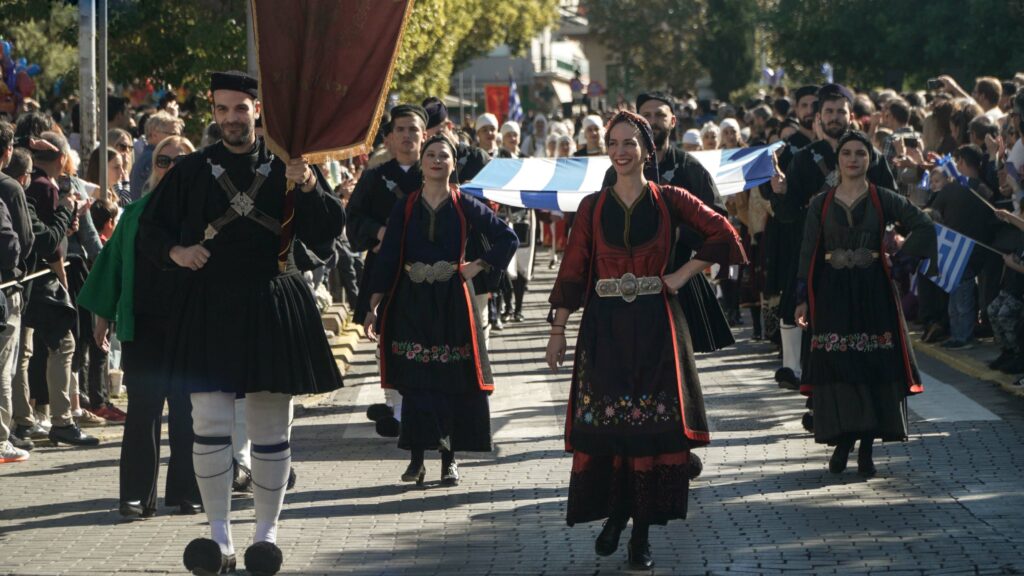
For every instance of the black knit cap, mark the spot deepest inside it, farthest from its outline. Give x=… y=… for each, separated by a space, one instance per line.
x=659 y=96
x=436 y=112
x=833 y=92
x=235 y=80
x=809 y=90
x=408 y=111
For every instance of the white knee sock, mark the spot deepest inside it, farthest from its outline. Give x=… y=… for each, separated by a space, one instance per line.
x=393 y=398
x=239 y=437
x=269 y=422
x=792 y=347
x=213 y=415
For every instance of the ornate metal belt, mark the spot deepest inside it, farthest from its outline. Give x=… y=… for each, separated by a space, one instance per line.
x=420 y=272
x=851 y=258
x=628 y=287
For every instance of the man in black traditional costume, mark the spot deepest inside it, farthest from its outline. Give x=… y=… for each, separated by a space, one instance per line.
x=377 y=192
x=783 y=236
x=243 y=321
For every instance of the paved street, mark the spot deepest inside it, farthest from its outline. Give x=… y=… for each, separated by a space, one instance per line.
x=949 y=501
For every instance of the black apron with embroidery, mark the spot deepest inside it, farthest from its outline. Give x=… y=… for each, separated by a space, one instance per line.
x=856 y=357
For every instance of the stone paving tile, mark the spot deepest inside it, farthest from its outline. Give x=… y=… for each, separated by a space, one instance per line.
x=949 y=501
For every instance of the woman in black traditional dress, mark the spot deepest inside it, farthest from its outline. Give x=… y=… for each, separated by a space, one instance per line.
x=432 y=349
x=861 y=367
x=635 y=407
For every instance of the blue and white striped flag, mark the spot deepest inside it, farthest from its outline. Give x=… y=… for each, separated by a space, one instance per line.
x=954 y=251
x=948 y=167
x=562 y=183
x=515 y=107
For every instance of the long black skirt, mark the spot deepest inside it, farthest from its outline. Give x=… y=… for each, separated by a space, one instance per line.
x=628 y=425
x=709 y=329
x=431 y=360
x=239 y=334
x=856 y=362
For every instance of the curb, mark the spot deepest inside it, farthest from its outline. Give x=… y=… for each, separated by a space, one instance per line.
x=970 y=366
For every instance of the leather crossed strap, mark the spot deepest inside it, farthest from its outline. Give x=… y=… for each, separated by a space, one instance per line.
x=242 y=204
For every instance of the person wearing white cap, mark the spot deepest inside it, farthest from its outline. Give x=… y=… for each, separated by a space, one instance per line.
x=691 y=140
x=731 y=133
x=710 y=134
x=510 y=133
x=593 y=134
x=487 y=133
x=535 y=144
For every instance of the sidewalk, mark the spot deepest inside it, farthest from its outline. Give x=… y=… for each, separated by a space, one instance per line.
x=973 y=362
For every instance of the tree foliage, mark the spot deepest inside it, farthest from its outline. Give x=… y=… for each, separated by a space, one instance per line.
x=443 y=35
x=655 y=40
x=725 y=46
x=876 y=42
x=178 y=42
x=44 y=33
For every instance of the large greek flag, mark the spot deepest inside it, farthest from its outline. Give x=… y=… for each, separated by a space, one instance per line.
x=954 y=251
x=560 y=184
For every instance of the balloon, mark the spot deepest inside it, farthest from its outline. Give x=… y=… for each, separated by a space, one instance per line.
x=22 y=62
x=26 y=85
x=34 y=70
x=6 y=48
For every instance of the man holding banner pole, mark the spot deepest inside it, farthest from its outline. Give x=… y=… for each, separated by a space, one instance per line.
x=241 y=323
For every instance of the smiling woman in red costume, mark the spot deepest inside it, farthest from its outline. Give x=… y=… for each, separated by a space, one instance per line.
x=635 y=407
x=432 y=347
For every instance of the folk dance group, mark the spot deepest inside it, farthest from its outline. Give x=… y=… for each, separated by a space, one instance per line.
x=242 y=324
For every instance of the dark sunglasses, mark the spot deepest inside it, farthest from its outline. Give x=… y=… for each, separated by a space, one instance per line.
x=166 y=161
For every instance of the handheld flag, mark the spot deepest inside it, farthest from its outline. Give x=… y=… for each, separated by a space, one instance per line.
x=515 y=107
x=955 y=251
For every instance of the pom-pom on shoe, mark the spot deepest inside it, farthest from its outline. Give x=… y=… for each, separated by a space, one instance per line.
x=263 y=559
x=204 y=558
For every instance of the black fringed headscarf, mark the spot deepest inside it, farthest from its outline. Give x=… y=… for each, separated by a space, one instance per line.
x=857 y=135
x=646 y=135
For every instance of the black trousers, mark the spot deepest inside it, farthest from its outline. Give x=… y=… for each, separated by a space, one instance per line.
x=142 y=360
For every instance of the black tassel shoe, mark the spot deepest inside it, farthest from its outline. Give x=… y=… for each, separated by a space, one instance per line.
x=204 y=558
x=450 y=475
x=640 y=554
x=388 y=427
x=696 y=466
x=263 y=559
x=378 y=412
x=415 y=473
x=607 y=542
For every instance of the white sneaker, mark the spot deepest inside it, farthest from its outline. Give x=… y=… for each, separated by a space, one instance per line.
x=8 y=453
x=43 y=420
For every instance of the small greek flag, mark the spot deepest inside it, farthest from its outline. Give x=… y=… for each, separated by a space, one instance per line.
x=562 y=183
x=515 y=107
x=948 y=167
x=954 y=251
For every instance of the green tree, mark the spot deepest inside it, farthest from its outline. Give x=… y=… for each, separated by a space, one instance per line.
x=654 y=41
x=432 y=36
x=511 y=22
x=178 y=42
x=878 y=42
x=44 y=33
x=725 y=46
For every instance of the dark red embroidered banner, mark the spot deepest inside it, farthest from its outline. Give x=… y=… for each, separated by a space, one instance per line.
x=325 y=69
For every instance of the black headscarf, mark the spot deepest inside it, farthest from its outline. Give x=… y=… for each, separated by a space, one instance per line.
x=642 y=126
x=857 y=135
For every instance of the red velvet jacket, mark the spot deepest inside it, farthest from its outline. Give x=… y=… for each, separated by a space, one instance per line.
x=588 y=257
